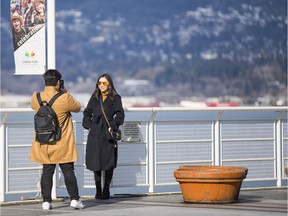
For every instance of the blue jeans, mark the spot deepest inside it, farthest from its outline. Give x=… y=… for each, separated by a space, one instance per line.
x=69 y=178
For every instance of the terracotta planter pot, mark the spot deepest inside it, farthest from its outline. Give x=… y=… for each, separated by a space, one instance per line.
x=210 y=184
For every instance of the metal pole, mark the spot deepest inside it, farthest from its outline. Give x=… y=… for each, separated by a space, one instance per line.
x=51 y=59
x=51 y=49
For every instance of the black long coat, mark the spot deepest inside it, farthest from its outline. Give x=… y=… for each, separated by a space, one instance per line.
x=101 y=154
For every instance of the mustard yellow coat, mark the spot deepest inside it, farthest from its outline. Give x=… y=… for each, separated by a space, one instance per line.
x=64 y=150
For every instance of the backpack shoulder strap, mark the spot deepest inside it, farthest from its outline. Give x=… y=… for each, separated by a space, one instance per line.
x=54 y=98
x=39 y=98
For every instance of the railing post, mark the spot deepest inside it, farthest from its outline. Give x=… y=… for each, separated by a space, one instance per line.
x=2 y=157
x=278 y=146
x=217 y=140
x=151 y=152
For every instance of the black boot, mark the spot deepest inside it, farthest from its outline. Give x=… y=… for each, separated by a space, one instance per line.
x=97 y=177
x=107 y=182
x=98 y=190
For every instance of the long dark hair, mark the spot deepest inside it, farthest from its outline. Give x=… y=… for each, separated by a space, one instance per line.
x=111 y=89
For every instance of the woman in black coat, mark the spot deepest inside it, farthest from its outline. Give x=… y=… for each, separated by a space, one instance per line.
x=101 y=153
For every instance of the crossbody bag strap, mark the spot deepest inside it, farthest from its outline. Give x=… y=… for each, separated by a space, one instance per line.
x=104 y=112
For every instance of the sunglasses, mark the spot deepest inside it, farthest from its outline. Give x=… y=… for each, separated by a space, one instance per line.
x=103 y=83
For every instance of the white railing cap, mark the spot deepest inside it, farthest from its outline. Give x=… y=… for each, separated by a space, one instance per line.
x=174 y=109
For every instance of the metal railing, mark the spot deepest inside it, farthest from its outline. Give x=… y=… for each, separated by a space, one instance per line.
x=156 y=141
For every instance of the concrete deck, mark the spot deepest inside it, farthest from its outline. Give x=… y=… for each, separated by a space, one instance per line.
x=266 y=202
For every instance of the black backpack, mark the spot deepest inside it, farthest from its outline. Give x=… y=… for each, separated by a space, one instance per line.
x=46 y=122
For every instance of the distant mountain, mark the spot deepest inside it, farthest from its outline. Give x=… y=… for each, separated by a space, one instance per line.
x=212 y=47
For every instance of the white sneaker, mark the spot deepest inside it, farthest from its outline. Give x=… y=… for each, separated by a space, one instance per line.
x=46 y=206
x=77 y=204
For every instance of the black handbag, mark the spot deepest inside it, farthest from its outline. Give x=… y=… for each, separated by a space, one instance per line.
x=114 y=135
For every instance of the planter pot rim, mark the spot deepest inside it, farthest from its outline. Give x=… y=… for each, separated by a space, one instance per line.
x=207 y=167
x=210 y=172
